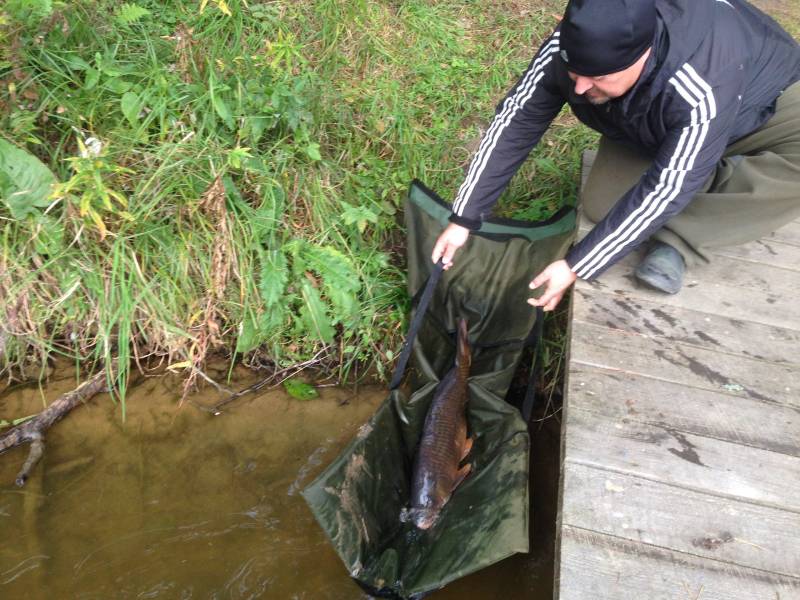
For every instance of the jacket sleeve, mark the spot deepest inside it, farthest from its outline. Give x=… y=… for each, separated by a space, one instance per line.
x=703 y=116
x=519 y=123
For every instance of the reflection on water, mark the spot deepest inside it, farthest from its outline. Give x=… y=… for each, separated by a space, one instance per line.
x=176 y=503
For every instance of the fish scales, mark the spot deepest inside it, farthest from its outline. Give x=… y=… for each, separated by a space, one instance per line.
x=444 y=440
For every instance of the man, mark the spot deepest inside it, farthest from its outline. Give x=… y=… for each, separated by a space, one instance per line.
x=698 y=102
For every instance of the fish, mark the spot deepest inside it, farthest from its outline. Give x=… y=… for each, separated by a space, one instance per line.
x=444 y=443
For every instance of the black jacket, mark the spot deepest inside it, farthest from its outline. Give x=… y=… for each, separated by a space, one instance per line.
x=714 y=73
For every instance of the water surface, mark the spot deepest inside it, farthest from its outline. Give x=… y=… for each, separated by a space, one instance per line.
x=177 y=503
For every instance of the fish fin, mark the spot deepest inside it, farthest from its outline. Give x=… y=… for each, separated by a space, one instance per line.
x=466 y=448
x=462 y=473
x=463 y=352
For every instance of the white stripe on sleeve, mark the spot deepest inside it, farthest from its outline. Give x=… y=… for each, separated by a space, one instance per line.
x=511 y=106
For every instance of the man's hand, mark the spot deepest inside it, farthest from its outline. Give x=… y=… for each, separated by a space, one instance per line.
x=451 y=239
x=558 y=277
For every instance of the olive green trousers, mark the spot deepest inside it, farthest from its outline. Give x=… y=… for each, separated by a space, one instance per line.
x=754 y=190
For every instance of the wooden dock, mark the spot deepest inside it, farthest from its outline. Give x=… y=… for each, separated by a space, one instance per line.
x=681 y=433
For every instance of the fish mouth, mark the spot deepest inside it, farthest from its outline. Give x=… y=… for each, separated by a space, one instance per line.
x=425 y=522
x=421 y=517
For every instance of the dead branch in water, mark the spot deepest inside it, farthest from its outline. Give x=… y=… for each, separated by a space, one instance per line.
x=275 y=379
x=32 y=431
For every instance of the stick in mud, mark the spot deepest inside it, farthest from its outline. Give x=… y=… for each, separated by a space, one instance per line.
x=32 y=431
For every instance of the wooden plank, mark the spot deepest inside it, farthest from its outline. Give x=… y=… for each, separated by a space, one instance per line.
x=640 y=510
x=687 y=326
x=726 y=287
x=702 y=464
x=764 y=252
x=720 y=415
x=788 y=234
x=705 y=369
x=682 y=430
x=594 y=566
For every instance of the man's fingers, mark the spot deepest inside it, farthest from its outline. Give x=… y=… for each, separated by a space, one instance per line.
x=548 y=301
x=553 y=303
x=540 y=279
x=438 y=249
x=547 y=297
x=543 y=299
x=449 y=252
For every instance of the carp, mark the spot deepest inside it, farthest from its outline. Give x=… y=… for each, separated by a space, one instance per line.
x=444 y=443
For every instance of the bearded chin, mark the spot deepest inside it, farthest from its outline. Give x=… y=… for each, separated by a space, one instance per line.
x=597 y=101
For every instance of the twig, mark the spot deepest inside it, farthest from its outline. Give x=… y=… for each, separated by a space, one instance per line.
x=36 y=451
x=220 y=388
x=279 y=375
x=32 y=431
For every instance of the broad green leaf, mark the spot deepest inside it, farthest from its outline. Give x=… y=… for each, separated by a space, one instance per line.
x=339 y=276
x=49 y=239
x=312 y=314
x=25 y=182
x=131 y=105
x=76 y=63
x=91 y=79
x=358 y=215
x=222 y=110
x=300 y=389
x=313 y=151
x=107 y=66
x=257 y=126
x=273 y=277
x=268 y=217
x=220 y=106
x=118 y=85
x=248 y=338
x=256 y=330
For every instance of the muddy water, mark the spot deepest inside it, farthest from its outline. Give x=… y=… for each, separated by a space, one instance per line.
x=176 y=503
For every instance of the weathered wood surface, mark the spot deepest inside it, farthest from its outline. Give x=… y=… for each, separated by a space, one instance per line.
x=681 y=432
x=693 y=462
x=692 y=327
x=722 y=415
x=670 y=516
x=595 y=566
x=699 y=367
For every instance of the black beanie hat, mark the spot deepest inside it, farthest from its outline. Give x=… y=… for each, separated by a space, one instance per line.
x=599 y=37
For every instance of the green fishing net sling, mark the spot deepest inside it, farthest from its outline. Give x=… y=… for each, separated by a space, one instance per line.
x=358 y=498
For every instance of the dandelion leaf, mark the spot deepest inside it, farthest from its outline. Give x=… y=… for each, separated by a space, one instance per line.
x=25 y=182
x=273 y=277
x=313 y=317
x=340 y=279
x=130 y=105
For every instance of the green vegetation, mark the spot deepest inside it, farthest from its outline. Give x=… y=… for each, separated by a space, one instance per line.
x=230 y=173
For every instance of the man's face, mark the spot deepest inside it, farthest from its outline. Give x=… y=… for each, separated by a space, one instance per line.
x=602 y=88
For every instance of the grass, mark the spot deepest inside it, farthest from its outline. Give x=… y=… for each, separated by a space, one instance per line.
x=230 y=178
